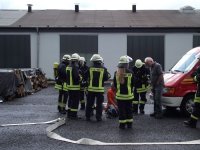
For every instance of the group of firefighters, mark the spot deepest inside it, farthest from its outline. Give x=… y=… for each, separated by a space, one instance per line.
x=75 y=81
x=126 y=96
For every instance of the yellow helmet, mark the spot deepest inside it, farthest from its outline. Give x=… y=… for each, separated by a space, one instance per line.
x=55 y=65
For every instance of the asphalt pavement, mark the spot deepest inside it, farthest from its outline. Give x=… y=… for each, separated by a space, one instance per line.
x=42 y=106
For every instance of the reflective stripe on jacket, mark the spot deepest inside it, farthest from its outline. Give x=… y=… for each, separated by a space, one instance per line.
x=71 y=81
x=59 y=86
x=99 y=87
x=144 y=88
x=129 y=94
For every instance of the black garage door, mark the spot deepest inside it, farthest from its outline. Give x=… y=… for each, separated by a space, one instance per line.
x=139 y=47
x=196 y=40
x=84 y=45
x=15 y=51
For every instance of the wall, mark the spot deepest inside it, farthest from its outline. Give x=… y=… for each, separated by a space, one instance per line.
x=111 y=47
x=176 y=45
x=49 y=52
x=33 y=50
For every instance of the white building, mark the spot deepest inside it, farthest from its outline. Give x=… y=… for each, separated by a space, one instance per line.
x=38 y=38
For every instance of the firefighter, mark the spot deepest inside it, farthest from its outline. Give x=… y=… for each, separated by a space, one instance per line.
x=83 y=69
x=96 y=76
x=124 y=82
x=55 y=70
x=60 y=75
x=196 y=110
x=73 y=85
x=141 y=75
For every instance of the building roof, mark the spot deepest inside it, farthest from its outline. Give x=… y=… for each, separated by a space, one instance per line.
x=105 y=18
x=8 y=17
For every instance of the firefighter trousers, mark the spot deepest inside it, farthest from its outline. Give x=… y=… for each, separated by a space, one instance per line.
x=125 y=112
x=62 y=100
x=196 y=111
x=90 y=103
x=82 y=99
x=139 y=99
x=74 y=97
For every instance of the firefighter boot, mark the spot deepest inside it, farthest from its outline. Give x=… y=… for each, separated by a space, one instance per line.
x=191 y=123
x=141 y=108
x=62 y=111
x=135 y=109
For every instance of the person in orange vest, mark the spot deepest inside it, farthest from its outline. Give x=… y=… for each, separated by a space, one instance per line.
x=111 y=108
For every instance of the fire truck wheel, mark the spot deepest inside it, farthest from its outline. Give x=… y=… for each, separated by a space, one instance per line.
x=187 y=105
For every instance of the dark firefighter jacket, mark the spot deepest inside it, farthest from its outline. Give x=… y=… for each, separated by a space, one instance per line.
x=125 y=90
x=96 y=76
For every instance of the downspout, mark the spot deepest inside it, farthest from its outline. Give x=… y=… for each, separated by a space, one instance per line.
x=38 y=47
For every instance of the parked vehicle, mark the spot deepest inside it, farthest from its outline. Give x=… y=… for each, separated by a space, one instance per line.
x=179 y=90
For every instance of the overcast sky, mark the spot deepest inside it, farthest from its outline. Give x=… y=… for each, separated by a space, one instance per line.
x=99 y=4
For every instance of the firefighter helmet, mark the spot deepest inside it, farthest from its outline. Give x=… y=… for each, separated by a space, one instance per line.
x=82 y=59
x=66 y=57
x=101 y=59
x=129 y=58
x=75 y=57
x=55 y=65
x=96 y=57
x=138 y=63
x=123 y=62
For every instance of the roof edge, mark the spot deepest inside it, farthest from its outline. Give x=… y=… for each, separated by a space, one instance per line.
x=102 y=29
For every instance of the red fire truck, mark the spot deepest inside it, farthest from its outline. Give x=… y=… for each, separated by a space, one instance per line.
x=179 y=87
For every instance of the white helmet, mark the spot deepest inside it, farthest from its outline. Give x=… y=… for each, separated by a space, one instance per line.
x=82 y=59
x=123 y=60
x=129 y=58
x=66 y=57
x=138 y=63
x=102 y=59
x=96 y=57
x=75 y=57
